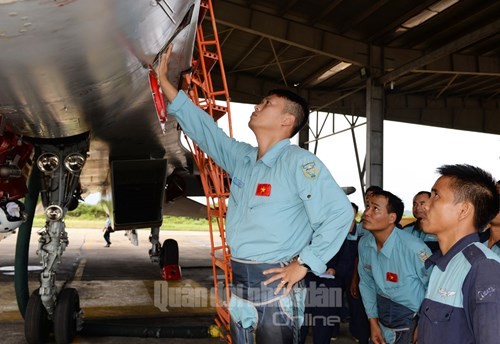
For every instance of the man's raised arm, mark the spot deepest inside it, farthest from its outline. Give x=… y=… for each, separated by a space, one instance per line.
x=167 y=88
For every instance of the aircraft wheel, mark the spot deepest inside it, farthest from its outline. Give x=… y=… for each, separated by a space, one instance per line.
x=66 y=316
x=36 y=320
x=170 y=253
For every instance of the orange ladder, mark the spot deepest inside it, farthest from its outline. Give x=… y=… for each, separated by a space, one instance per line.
x=214 y=179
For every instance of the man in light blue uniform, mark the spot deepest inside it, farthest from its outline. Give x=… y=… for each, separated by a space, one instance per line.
x=393 y=278
x=286 y=214
x=462 y=303
x=415 y=228
x=360 y=326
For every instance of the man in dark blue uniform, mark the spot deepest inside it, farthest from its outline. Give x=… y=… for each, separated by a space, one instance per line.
x=462 y=302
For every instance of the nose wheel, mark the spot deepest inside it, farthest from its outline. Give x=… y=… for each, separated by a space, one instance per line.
x=67 y=316
x=171 y=270
x=66 y=322
x=37 y=324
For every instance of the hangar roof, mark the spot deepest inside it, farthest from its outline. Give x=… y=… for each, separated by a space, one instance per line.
x=437 y=60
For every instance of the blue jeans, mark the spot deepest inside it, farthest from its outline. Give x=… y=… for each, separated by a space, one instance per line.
x=259 y=316
x=397 y=321
x=403 y=336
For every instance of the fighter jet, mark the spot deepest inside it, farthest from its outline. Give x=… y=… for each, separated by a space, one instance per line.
x=78 y=115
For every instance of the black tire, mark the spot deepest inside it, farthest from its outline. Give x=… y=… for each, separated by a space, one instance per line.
x=170 y=252
x=37 y=325
x=66 y=315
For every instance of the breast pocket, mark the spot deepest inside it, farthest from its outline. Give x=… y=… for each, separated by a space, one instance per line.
x=438 y=314
x=395 y=288
x=437 y=319
x=278 y=198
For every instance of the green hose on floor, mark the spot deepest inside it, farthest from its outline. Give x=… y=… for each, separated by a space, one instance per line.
x=23 y=243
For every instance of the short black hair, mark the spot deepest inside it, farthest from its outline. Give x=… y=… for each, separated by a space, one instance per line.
x=299 y=107
x=394 y=204
x=475 y=185
x=372 y=188
x=422 y=193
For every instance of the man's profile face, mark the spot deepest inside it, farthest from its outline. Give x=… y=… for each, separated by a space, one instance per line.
x=376 y=217
x=440 y=211
x=418 y=205
x=496 y=220
x=268 y=114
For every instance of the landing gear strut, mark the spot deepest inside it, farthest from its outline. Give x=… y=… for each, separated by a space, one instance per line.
x=49 y=308
x=154 y=239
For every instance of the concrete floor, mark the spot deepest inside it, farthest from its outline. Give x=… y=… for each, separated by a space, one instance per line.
x=119 y=287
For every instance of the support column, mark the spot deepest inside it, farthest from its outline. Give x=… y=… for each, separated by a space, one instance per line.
x=375 y=110
x=304 y=137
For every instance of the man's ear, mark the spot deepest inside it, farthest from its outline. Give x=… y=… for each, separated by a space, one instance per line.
x=288 y=121
x=392 y=218
x=466 y=210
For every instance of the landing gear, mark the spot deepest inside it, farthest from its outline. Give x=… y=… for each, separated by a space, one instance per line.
x=171 y=270
x=36 y=320
x=154 y=239
x=68 y=316
x=67 y=320
x=50 y=309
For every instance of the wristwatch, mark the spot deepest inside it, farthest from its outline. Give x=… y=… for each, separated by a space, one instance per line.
x=301 y=262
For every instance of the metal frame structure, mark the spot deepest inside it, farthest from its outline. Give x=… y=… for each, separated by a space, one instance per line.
x=214 y=179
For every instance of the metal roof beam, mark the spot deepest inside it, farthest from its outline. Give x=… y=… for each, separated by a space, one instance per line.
x=447 y=49
x=325 y=12
x=247 y=53
x=272 y=61
x=292 y=33
x=367 y=12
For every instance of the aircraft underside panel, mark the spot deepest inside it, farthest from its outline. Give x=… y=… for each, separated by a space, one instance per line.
x=72 y=67
x=138 y=191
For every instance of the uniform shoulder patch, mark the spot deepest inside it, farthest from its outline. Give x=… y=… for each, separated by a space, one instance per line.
x=423 y=255
x=310 y=170
x=487 y=294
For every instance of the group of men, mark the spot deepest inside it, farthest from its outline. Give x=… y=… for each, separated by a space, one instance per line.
x=446 y=288
x=287 y=216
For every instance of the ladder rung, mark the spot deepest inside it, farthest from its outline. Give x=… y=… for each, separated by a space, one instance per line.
x=220 y=264
x=210 y=60
x=218 y=111
x=217 y=93
x=209 y=42
x=214 y=212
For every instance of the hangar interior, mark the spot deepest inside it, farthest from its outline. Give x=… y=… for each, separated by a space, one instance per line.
x=434 y=63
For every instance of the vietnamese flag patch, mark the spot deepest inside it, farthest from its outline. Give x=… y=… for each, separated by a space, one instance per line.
x=263 y=190
x=391 y=277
